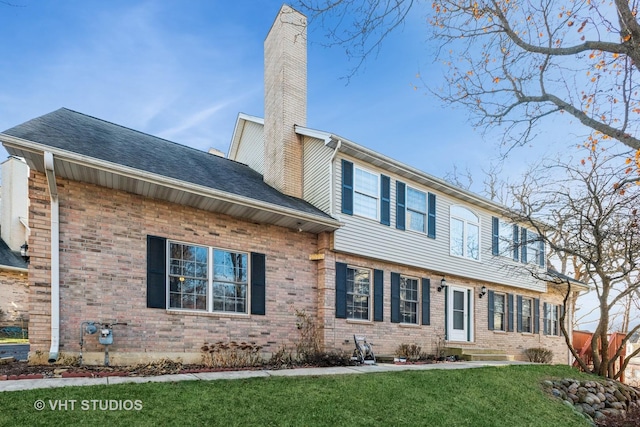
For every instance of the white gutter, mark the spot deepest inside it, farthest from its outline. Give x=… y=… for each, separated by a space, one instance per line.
x=152 y=178
x=55 y=257
x=11 y=268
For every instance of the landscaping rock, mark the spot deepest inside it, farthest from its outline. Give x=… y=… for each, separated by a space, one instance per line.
x=595 y=400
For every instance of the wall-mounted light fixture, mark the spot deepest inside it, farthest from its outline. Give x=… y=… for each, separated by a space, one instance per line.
x=24 y=252
x=443 y=285
x=483 y=292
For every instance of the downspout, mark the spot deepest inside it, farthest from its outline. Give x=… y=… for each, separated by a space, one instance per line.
x=331 y=190
x=55 y=257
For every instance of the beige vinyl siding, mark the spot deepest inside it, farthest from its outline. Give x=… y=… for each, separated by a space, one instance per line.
x=368 y=238
x=251 y=146
x=317 y=173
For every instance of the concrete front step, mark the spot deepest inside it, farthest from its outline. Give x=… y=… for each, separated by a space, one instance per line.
x=478 y=354
x=488 y=357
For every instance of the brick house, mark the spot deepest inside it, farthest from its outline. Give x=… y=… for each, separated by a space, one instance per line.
x=186 y=247
x=14 y=233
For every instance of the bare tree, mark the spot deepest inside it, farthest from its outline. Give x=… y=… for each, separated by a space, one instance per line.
x=514 y=63
x=590 y=218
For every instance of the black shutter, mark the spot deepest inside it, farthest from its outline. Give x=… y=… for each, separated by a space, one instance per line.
x=156 y=272
x=258 y=284
x=385 y=200
x=519 y=316
x=490 y=301
x=431 y=221
x=426 y=301
x=536 y=316
x=516 y=239
x=347 y=187
x=545 y=320
x=523 y=245
x=395 y=298
x=341 y=290
x=400 y=205
x=541 y=260
x=378 y=295
x=495 y=236
x=510 y=312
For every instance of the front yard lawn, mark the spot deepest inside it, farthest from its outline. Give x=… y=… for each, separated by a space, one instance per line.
x=503 y=396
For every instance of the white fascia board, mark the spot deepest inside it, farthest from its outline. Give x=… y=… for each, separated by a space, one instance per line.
x=313 y=133
x=91 y=162
x=10 y=268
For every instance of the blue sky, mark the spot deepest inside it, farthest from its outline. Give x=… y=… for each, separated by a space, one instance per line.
x=184 y=70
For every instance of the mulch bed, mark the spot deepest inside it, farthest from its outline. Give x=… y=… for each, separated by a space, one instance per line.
x=21 y=370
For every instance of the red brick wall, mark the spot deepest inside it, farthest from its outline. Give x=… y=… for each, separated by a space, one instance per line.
x=103 y=277
x=387 y=336
x=103 y=271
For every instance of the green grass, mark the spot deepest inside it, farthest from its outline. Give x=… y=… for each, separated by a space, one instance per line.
x=503 y=396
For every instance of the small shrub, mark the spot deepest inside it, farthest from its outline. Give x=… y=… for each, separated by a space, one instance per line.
x=231 y=355
x=411 y=352
x=308 y=345
x=282 y=358
x=539 y=355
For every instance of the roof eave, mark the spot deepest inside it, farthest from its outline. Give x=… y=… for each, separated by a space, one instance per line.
x=18 y=146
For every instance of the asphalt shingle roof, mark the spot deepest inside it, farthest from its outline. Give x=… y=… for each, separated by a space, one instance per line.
x=8 y=258
x=78 y=133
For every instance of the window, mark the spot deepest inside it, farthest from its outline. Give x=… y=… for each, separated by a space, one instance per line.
x=408 y=300
x=191 y=281
x=499 y=312
x=551 y=318
x=532 y=248
x=188 y=276
x=527 y=315
x=465 y=233
x=416 y=210
x=366 y=193
x=229 y=281
x=358 y=293
x=505 y=242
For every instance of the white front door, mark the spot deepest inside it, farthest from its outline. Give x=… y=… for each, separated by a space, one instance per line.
x=458 y=312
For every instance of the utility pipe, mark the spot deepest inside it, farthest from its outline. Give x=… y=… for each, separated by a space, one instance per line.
x=55 y=257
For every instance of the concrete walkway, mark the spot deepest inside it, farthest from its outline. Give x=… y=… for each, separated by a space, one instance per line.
x=14 y=385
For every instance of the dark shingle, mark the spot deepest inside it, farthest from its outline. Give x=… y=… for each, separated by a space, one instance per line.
x=8 y=258
x=76 y=132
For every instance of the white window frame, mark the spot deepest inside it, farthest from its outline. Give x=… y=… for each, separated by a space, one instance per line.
x=210 y=279
x=553 y=321
x=360 y=192
x=505 y=239
x=533 y=247
x=467 y=222
x=527 y=327
x=413 y=210
x=496 y=312
x=351 y=306
x=403 y=301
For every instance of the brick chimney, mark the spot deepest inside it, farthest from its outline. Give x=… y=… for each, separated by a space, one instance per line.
x=285 y=100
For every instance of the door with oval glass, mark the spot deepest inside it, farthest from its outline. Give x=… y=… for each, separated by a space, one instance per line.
x=458 y=314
